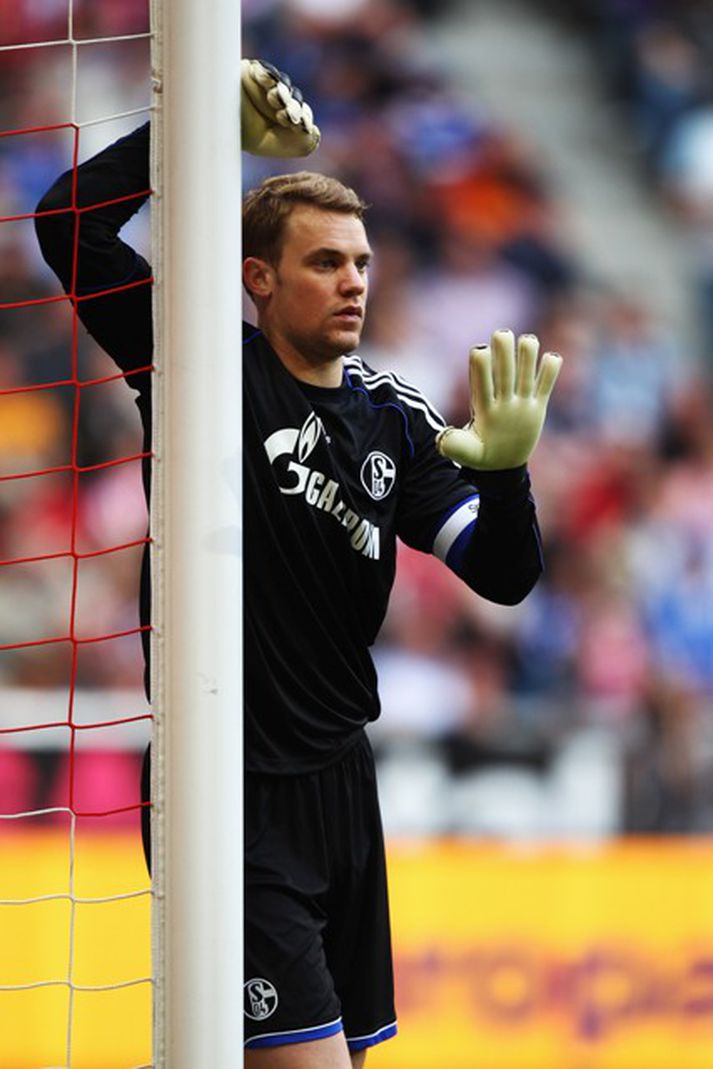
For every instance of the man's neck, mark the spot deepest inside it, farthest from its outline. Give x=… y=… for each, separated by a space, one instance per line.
x=328 y=372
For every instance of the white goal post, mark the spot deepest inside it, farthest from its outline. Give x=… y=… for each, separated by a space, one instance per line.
x=196 y=528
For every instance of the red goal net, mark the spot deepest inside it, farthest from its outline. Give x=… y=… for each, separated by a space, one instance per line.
x=75 y=979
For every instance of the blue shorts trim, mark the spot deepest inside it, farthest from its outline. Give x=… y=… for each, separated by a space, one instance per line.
x=360 y=1042
x=297 y=1035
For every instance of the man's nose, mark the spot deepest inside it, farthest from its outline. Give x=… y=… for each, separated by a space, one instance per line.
x=352 y=280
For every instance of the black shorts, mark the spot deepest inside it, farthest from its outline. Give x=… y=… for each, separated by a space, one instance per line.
x=317 y=938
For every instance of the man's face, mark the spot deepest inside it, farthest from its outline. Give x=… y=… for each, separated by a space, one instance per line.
x=318 y=289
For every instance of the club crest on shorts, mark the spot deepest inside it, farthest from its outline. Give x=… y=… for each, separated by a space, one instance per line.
x=378 y=475
x=260 y=999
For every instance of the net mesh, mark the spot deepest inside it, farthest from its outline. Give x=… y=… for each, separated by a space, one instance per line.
x=71 y=534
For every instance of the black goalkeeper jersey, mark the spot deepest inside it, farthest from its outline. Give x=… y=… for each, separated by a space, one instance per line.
x=331 y=478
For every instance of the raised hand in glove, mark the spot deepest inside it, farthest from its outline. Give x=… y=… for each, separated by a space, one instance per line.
x=275 y=120
x=509 y=396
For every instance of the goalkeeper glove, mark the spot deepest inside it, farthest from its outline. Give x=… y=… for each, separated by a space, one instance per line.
x=508 y=404
x=275 y=120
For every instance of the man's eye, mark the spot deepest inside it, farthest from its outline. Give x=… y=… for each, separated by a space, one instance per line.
x=327 y=263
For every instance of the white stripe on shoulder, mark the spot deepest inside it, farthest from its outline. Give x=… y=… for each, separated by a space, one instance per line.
x=377 y=378
x=392 y=377
x=397 y=381
x=456 y=523
x=405 y=391
x=402 y=388
x=432 y=419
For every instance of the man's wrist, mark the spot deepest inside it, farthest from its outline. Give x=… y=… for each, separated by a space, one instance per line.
x=506 y=484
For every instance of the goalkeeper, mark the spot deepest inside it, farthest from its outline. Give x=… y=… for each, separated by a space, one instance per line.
x=339 y=461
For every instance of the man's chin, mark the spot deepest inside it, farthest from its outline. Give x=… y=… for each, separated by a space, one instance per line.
x=343 y=339
x=328 y=345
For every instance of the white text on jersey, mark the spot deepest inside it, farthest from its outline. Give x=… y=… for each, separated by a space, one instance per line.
x=319 y=491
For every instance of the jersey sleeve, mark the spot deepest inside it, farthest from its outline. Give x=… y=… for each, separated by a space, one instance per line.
x=482 y=525
x=109 y=280
x=436 y=502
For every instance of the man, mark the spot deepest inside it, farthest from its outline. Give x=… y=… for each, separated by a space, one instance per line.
x=339 y=460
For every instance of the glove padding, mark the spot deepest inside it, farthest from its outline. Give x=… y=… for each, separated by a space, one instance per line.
x=508 y=404
x=275 y=120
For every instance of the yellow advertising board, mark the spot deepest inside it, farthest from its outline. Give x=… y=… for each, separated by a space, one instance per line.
x=101 y=940
x=553 y=958
x=506 y=958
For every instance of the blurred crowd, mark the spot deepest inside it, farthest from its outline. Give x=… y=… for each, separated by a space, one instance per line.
x=656 y=63
x=615 y=646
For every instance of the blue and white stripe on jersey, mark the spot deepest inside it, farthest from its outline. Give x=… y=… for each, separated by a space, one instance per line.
x=406 y=392
x=356 y=1043
x=295 y=1035
x=322 y=1031
x=455 y=531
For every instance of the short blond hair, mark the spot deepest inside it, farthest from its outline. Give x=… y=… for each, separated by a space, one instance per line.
x=267 y=208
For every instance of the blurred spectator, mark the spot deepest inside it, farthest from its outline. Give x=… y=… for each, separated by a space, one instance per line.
x=469 y=236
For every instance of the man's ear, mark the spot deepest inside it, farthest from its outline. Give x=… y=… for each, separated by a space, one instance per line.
x=258 y=277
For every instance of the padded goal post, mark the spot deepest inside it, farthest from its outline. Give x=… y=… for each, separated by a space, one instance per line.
x=196 y=535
